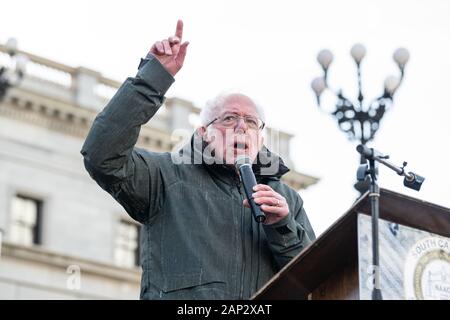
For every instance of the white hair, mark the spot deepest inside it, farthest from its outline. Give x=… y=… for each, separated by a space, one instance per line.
x=213 y=107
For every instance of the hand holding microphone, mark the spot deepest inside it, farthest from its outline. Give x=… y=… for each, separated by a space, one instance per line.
x=267 y=205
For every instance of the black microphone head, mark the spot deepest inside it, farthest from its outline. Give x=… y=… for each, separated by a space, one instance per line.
x=242 y=160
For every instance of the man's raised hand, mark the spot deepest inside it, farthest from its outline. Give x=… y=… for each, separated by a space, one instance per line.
x=171 y=52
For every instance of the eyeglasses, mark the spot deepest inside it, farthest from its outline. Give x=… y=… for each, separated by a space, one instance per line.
x=230 y=120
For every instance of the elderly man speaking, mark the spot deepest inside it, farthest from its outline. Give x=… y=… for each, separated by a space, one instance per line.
x=199 y=239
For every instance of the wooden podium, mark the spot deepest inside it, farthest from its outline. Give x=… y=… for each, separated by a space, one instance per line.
x=414 y=255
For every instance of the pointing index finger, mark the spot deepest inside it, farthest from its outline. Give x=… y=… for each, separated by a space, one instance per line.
x=179 y=31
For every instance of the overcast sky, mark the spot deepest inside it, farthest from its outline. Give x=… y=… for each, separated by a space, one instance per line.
x=268 y=50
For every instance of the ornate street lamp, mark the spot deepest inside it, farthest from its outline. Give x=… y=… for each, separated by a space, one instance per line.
x=358 y=120
x=12 y=76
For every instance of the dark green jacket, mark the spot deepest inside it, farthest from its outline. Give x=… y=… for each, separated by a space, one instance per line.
x=198 y=240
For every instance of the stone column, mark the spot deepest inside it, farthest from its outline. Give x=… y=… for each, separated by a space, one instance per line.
x=84 y=83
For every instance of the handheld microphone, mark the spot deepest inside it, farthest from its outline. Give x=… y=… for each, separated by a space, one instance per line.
x=243 y=164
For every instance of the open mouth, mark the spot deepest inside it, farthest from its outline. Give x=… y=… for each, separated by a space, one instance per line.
x=240 y=146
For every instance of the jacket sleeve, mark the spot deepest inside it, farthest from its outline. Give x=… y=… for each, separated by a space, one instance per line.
x=132 y=176
x=289 y=236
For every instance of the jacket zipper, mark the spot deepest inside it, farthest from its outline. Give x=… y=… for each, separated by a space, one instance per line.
x=241 y=290
x=258 y=270
x=259 y=258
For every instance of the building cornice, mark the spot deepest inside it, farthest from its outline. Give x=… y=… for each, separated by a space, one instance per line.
x=36 y=254
x=66 y=118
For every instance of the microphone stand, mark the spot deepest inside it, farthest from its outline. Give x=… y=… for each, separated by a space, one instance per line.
x=411 y=180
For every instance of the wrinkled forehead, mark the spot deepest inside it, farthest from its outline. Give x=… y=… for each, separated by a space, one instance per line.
x=240 y=104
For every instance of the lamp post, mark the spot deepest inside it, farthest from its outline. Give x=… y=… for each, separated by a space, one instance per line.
x=359 y=120
x=12 y=75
